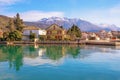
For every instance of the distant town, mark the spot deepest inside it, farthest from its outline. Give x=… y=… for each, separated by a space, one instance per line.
x=17 y=31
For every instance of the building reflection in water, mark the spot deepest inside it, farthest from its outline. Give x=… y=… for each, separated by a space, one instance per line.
x=17 y=56
x=41 y=52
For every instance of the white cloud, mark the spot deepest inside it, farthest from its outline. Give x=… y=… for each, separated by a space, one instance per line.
x=36 y=15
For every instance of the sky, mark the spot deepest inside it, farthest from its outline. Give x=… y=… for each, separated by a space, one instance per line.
x=95 y=11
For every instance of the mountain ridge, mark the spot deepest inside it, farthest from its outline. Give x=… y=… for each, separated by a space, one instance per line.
x=68 y=22
x=65 y=22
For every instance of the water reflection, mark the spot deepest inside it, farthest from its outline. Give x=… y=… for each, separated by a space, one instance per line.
x=12 y=54
x=40 y=55
x=15 y=55
x=53 y=55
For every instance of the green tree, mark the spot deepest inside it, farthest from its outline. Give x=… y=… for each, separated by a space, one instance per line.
x=32 y=36
x=11 y=25
x=15 y=28
x=15 y=36
x=5 y=36
x=18 y=23
x=74 y=31
x=42 y=37
x=18 y=35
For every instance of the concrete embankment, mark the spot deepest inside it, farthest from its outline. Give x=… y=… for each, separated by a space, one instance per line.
x=105 y=43
x=82 y=42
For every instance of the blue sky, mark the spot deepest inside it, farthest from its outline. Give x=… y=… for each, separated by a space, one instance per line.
x=95 y=11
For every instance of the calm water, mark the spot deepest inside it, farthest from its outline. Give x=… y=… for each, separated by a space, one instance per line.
x=59 y=63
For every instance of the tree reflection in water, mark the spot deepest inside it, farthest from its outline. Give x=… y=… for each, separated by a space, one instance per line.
x=57 y=52
x=14 y=55
x=74 y=51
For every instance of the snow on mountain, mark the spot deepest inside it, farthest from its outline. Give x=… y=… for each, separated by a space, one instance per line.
x=68 y=22
x=109 y=27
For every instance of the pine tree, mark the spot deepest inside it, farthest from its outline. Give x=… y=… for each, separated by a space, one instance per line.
x=18 y=23
x=75 y=31
x=15 y=27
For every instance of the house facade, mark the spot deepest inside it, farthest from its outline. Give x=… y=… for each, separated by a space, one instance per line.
x=55 y=32
x=116 y=34
x=38 y=32
x=104 y=35
x=84 y=36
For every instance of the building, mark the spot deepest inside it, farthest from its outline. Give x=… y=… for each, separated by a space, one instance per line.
x=38 y=32
x=104 y=35
x=93 y=36
x=116 y=34
x=55 y=32
x=84 y=36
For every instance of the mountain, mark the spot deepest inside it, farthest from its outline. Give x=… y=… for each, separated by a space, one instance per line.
x=65 y=22
x=68 y=22
x=108 y=27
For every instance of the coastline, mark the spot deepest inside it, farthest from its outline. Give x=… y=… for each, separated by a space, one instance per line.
x=82 y=42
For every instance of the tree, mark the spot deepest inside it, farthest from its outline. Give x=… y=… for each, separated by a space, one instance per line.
x=5 y=36
x=11 y=25
x=32 y=35
x=15 y=28
x=18 y=35
x=74 y=31
x=15 y=36
x=42 y=37
x=11 y=36
x=18 y=23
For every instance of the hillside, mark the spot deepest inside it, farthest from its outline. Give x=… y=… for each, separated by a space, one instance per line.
x=4 y=21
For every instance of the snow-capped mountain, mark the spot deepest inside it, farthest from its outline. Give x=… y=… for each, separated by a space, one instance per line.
x=109 y=27
x=68 y=22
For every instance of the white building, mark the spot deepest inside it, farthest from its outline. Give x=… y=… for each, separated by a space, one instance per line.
x=36 y=30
